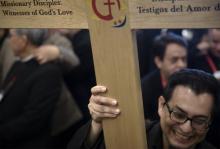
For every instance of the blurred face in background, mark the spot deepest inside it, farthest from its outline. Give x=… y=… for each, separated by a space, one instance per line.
x=214 y=35
x=18 y=42
x=175 y=58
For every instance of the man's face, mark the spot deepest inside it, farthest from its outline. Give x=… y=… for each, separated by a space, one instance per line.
x=185 y=101
x=18 y=43
x=175 y=58
x=214 y=35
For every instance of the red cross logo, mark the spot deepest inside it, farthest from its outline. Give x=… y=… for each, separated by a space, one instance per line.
x=109 y=4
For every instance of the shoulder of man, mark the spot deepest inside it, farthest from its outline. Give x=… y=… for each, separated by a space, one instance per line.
x=49 y=66
x=205 y=145
x=150 y=78
x=150 y=124
x=46 y=69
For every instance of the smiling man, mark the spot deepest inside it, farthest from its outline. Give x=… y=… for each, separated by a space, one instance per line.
x=186 y=111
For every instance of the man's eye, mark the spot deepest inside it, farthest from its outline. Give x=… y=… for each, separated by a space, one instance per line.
x=179 y=115
x=174 y=60
x=199 y=121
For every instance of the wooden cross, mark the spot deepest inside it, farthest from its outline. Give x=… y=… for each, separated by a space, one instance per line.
x=114 y=48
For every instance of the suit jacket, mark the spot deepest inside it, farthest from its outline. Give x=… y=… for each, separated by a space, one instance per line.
x=30 y=94
x=151 y=90
x=200 y=62
x=7 y=58
x=82 y=78
x=67 y=112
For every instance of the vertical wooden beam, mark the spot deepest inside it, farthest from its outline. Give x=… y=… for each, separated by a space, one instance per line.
x=116 y=66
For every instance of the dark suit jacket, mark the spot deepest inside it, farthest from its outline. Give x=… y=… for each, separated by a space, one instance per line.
x=82 y=78
x=200 y=62
x=31 y=91
x=151 y=90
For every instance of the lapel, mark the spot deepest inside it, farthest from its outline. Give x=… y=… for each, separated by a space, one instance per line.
x=10 y=79
x=18 y=73
x=7 y=88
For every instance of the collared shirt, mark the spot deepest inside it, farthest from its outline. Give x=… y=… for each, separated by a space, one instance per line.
x=26 y=59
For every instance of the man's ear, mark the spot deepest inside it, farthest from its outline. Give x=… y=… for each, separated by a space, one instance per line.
x=161 y=102
x=158 y=62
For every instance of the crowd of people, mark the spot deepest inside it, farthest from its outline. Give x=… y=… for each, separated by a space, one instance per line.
x=48 y=93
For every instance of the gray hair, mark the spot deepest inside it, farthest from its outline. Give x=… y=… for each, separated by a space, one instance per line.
x=35 y=36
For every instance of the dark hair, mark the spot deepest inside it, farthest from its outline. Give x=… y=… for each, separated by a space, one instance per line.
x=35 y=36
x=160 y=43
x=198 y=81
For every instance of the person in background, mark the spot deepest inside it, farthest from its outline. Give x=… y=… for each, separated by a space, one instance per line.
x=210 y=62
x=170 y=55
x=82 y=78
x=29 y=94
x=55 y=48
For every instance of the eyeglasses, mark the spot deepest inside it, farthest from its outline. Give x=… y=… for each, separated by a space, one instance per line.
x=200 y=124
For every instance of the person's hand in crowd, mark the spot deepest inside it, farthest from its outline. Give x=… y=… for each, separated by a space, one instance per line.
x=47 y=53
x=100 y=108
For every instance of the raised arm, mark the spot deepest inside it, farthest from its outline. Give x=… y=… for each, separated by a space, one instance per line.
x=58 y=48
x=100 y=107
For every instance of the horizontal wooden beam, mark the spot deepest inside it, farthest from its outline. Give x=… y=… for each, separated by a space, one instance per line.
x=175 y=13
x=143 y=14
x=42 y=14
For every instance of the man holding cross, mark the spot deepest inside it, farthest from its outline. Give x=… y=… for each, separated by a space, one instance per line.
x=186 y=111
